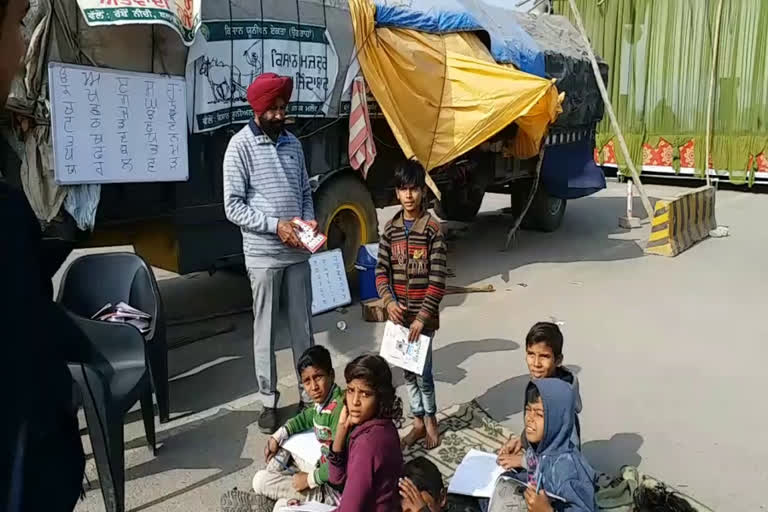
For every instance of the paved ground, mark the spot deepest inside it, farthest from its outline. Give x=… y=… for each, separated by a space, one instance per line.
x=669 y=352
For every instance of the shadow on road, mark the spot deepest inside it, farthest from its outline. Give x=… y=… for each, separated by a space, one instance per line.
x=213 y=363
x=446 y=360
x=192 y=449
x=589 y=232
x=609 y=455
x=507 y=398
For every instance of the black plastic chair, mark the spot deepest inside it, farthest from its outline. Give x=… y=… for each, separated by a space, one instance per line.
x=112 y=379
x=93 y=280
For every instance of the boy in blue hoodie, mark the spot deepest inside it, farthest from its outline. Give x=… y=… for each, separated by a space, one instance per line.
x=544 y=357
x=559 y=478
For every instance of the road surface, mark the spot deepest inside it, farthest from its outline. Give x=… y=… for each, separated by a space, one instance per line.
x=670 y=354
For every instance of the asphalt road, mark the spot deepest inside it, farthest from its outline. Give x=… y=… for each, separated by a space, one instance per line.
x=670 y=354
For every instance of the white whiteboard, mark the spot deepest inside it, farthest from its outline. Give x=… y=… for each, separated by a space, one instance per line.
x=330 y=288
x=111 y=126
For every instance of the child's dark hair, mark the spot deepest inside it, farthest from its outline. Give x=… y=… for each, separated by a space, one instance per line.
x=410 y=174
x=425 y=476
x=547 y=333
x=317 y=356
x=532 y=394
x=374 y=370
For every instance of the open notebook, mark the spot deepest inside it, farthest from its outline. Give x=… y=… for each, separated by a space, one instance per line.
x=478 y=474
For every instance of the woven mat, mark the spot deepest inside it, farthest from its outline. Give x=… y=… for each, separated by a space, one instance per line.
x=462 y=428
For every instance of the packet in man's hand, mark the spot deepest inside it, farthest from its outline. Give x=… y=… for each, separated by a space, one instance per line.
x=312 y=240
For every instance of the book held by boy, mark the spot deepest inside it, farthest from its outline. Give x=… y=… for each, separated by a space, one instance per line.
x=304 y=446
x=398 y=351
x=476 y=475
x=479 y=473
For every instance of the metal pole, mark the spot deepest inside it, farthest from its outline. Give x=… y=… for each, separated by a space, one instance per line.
x=710 y=102
x=629 y=199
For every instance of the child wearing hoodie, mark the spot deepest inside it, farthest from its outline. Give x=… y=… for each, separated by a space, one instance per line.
x=544 y=357
x=559 y=478
x=366 y=457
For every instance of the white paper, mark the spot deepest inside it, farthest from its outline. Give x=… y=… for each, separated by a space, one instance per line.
x=114 y=126
x=304 y=446
x=476 y=475
x=398 y=351
x=310 y=506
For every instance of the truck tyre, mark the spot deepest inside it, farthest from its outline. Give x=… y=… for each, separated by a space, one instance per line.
x=346 y=215
x=546 y=212
x=459 y=204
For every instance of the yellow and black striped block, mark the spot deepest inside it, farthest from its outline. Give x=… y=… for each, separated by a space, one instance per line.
x=681 y=222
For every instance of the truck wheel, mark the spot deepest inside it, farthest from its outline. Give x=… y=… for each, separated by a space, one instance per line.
x=346 y=215
x=460 y=204
x=546 y=212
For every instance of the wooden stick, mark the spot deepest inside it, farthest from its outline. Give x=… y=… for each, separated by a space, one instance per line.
x=611 y=113
x=454 y=290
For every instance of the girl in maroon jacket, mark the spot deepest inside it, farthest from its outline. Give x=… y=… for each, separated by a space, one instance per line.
x=366 y=456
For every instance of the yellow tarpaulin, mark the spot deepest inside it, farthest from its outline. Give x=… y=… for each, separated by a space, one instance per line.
x=443 y=94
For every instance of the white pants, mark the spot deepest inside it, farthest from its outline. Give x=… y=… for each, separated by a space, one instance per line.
x=276 y=484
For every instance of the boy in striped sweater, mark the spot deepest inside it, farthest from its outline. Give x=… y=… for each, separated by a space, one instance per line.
x=410 y=278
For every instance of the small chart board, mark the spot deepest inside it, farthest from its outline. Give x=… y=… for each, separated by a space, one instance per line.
x=330 y=288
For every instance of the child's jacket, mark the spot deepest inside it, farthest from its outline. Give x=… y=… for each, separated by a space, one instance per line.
x=412 y=268
x=569 y=377
x=561 y=468
x=324 y=419
x=369 y=469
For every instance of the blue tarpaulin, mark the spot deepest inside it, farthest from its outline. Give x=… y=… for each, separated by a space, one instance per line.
x=569 y=170
x=510 y=43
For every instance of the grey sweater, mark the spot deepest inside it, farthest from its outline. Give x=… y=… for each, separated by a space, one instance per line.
x=265 y=182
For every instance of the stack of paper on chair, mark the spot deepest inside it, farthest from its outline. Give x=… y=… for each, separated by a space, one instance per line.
x=123 y=313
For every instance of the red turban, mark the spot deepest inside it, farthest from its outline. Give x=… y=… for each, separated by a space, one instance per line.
x=267 y=87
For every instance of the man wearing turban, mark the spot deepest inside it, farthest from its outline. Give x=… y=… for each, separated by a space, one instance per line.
x=266 y=186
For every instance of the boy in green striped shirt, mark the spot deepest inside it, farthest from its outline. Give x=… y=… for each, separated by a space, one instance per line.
x=280 y=481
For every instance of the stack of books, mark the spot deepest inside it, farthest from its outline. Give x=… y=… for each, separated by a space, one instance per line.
x=123 y=313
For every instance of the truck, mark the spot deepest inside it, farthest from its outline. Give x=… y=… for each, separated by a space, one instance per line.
x=181 y=226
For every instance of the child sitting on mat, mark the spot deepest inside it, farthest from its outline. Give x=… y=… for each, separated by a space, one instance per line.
x=559 y=478
x=366 y=456
x=544 y=357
